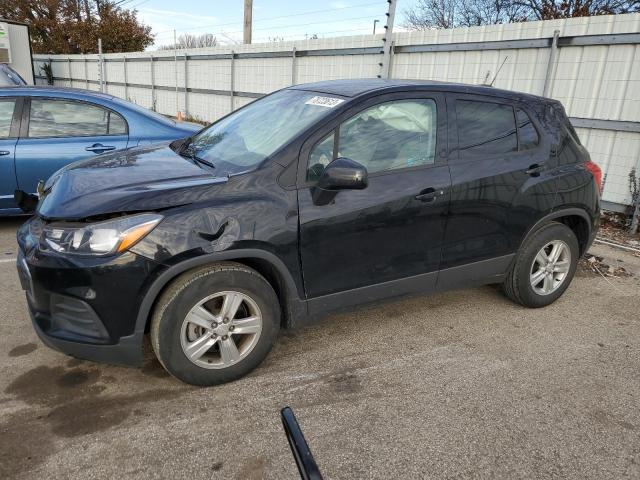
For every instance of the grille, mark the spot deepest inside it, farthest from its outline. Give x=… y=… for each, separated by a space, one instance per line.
x=75 y=316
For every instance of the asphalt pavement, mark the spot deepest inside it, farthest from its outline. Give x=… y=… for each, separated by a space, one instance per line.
x=463 y=384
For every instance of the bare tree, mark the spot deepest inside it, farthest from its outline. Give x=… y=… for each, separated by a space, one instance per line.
x=550 y=9
x=189 y=40
x=490 y=12
x=467 y=13
x=431 y=14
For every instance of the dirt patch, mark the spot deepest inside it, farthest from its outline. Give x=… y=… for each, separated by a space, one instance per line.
x=65 y=403
x=52 y=386
x=153 y=368
x=595 y=266
x=615 y=227
x=253 y=468
x=21 y=350
x=345 y=383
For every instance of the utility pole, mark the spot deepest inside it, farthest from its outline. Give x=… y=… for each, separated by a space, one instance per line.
x=387 y=40
x=248 y=13
x=100 y=65
x=374 y=26
x=175 y=69
x=635 y=216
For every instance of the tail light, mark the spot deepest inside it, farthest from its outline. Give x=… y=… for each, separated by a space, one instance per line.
x=596 y=172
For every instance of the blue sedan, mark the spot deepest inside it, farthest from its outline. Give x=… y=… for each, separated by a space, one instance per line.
x=43 y=129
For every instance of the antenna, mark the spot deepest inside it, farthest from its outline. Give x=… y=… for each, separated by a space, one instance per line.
x=496 y=75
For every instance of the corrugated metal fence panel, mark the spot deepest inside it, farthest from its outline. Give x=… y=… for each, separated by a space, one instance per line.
x=593 y=82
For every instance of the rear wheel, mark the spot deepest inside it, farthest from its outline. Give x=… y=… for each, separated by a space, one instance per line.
x=544 y=266
x=215 y=324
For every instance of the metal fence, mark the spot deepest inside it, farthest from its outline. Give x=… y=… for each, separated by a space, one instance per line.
x=592 y=65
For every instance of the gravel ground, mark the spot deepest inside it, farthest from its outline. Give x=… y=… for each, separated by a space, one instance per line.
x=463 y=384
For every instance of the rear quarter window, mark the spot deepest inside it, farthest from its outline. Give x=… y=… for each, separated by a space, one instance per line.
x=485 y=128
x=527 y=134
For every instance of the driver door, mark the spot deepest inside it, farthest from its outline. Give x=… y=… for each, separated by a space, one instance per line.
x=386 y=239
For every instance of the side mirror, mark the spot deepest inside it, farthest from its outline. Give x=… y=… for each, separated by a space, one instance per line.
x=343 y=174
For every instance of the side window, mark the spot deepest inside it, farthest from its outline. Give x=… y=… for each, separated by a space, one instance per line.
x=485 y=128
x=6 y=114
x=392 y=135
x=61 y=118
x=320 y=156
x=117 y=125
x=527 y=134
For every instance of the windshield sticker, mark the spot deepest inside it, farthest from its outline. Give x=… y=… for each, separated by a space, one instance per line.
x=328 y=102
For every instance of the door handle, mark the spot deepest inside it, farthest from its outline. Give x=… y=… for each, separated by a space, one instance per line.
x=99 y=148
x=429 y=194
x=534 y=170
x=4 y=152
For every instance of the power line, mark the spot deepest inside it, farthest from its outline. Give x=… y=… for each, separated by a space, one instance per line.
x=141 y=3
x=322 y=33
x=294 y=25
x=275 y=18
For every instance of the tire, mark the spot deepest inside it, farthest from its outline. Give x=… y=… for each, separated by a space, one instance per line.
x=518 y=283
x=180 y=320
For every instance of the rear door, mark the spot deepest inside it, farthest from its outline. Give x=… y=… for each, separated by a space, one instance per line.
x=56 y=132
x=501 y=179
x=9 y=127
x=392 y=229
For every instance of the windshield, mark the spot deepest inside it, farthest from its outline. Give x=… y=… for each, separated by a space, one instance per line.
x=244 y=139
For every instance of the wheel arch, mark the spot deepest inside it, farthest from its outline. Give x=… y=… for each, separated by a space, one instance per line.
x=577 y=219
x=265 y=263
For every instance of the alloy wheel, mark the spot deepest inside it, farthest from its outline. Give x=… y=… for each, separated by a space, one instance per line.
x=221 y=329
x=550 y=267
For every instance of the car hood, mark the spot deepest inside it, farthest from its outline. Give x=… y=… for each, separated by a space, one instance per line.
x=139 y=179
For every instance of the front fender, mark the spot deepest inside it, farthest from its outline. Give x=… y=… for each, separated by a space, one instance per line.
x=295 y=304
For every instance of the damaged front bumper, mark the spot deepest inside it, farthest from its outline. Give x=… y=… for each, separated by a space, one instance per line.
x=86 y=307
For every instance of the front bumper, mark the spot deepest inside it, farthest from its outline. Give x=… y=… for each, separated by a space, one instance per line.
x=87 y=307
x=127 y=351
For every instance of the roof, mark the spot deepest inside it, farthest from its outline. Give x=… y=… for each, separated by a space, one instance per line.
x=13 y=22
x=44 y=90
x=358 y=87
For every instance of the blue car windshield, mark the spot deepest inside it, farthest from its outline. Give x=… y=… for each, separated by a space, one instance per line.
x=242 y=140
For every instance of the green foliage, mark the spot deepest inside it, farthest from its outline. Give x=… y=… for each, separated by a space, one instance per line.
x=47 y=71
x=74 y=26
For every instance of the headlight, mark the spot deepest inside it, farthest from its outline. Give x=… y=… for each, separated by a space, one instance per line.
x=103 y=238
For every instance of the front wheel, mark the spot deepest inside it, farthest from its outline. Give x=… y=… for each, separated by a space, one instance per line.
x=215 y=324
x=544 y=266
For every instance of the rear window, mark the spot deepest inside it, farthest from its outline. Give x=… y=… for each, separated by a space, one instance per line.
x=145 y=111
x=485 y=128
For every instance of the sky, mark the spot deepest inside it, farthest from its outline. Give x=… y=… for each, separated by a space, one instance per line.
x=272 y=19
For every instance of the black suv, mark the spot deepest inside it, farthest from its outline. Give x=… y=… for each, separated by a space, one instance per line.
x=315 y=198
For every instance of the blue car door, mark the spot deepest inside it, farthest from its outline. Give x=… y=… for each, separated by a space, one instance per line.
x=56 y=132
x=9 y=125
